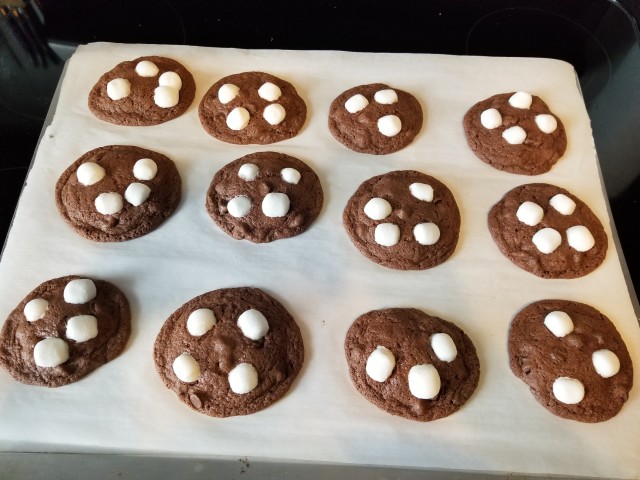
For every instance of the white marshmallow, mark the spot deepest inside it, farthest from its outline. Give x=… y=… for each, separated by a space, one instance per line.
x=239 y=206
x=377 y=209
x=248 y=172
x=108 y=203
x=389 y=125
x=146 y=68
x=137 y=193
x=558 y=323
x=145 y=169
x=228 y=92
x=386 y=97
x=170 y=79
x=530 y=213
x=521 y=100
x=243 y=378
x=491 y=118
x=50 y=352
x=387 y=234
x=422 y=191
x=562 y=204
x=568 y=390
x=80 y=291
x=515 y=135
x=166 y=97
x=579 y=237
x=200 y=321
x=274 y=114
x=546 y=123
x=238 y=118
x=356 y=103
x=426 y=233
x=35 y=309
x=82 y=328
x=606 y=363
x=186 y=368
x=253 y=324
x=275 y=204
x=270 y=92
x=380 y=364
x=118 y=88
x=547 y=240
x=290 y=175
x=90 y=173
x=424 y=381
x=444 y=347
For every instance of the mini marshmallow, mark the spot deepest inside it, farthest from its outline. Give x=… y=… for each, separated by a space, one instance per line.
x=387 y=234
x=50 y=352
x=562 y=204
x=386 y=97
x=547 y=240
x=270 y=92
x=580 y=238
x=200 y=321
x=80 y=291
x=491 y=118
x=35 y=309
x=275 y=204
x=137 y=193
x=389 y=125
x=238 y=118
x=422 y=191
x=568 y=390
x=606 y=363
x=228 y=92
x=426 y=233
x=239 y=206
x=380 y=364
x=170 y=79
x=546 y=123
x=118 y=88
x=530 y=213
x=356 y=103
x=166 y=97
x=515 y=135
x=82 y=328
x=274 y=114
x=90 y=173
x=253 y=324
x=248 y=172
x=145 y=169
x=424 y=381
x=146 y=68
x=377 y=209
x=186 y=368
x=558 y=323
x=521 y=100
x=290 y=175
x=243 y=378
x=444 y=347
x=108 y=203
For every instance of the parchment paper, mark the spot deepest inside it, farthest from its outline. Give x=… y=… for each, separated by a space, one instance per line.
x=319 y=276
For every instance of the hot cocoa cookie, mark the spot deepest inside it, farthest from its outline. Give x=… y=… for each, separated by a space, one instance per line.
x=229 y=352
x=264 y=196
x=411 y=364
x=118 y=192
x=573 y=359
x=63 y=330
x=548 y=231
x=144 y=91
x=404 y=219
x=515 y=132
x=252 y=108
x=375 y=119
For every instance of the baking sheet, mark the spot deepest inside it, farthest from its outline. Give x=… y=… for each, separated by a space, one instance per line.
x=319 y=276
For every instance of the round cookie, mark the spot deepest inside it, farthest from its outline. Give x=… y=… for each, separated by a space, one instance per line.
x=264 y=196
x=411 y=364
x=63 y=330
x=515 y=132
x=375 y=119
x=229 y=352
x=404 y=220
x=252 y=108
x=548 y=231
x=141 y=92
x=573 y=359
x=118 y=192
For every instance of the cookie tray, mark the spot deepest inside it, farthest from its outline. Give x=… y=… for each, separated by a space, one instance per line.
x=321 y=278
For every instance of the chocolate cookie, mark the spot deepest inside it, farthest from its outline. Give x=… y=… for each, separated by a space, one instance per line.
x=375 y=119
x=229 y=352
x=264 y=196
x=411 y=364
x=573 y=359
x=63 y=330
x=252 y=107
x=515 y=132
x=118 y=192
x=141 y=92
x=404 y=219
x=548 y=231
